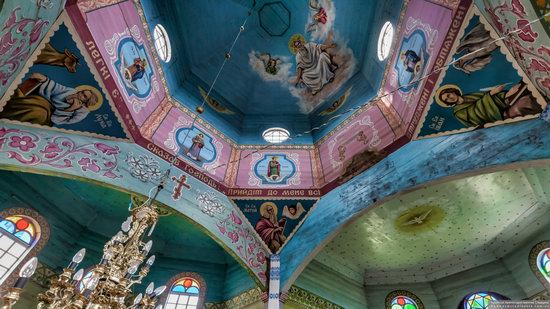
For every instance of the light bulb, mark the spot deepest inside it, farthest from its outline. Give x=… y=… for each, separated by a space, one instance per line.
x=132 y=269
x=138 y=298
x=28 y=269
x=150 y=261
x=92 y=284
x=147 y=247
x=79 y=256
x=150 y=288
x=158 y=291
x=78 y=275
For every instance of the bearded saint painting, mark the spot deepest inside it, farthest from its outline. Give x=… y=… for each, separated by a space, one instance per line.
x=41 y=100
x=269 y=228
x=314 y=65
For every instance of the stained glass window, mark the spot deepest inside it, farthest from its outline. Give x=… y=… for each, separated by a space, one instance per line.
x=543 y=263
x=18 y=234
x=184 y=294
x=481 y=300
x=403 y=302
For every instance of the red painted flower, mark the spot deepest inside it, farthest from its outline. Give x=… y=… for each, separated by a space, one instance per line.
x=526 y=33
x=24 y=143
x=51 y=150
x=260 y=256
x=235 y=218
x=517 y=8
x=233 y=236
x=106 y=149
x=539 y=66
x=88 y=164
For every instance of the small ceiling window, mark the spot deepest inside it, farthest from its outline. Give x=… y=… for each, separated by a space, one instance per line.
x=275 y=135
x=162 y=43
x=384 y=41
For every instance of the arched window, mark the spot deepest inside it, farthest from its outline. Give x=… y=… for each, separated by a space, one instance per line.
x=480 y=300
x=539 y=260
x=384 y=41
x=402 y=299
x=187 y=291
x=162 y=43
x=23 y=233
x=275 y=135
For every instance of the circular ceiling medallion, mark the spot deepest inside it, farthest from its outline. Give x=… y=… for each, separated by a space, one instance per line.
x=420 y=218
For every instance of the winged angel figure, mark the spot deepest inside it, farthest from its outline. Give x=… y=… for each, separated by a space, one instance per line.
x=271 y=65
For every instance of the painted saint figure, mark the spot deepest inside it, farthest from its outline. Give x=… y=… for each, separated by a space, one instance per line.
x=194 y=151
x=274 y=169
x=411 y=60
x=269 y=229
x=40 y=100
x=314 y=65
x=136 y=70
x=479 y=108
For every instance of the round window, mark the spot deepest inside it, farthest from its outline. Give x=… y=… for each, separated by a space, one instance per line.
x=384 y=41
x=275 y=135
x=162 y=43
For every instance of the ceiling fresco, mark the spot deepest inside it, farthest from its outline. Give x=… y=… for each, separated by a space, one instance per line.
x=294 y=57
x=482 y=89
x=60 y=91
x=439 y=230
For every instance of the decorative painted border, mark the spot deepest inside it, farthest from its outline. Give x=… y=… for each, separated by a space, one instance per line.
x=309 y=300
x=504 y=50
x=192 y=275
x=533 y=255
x=64 y=19
x=44 y=237
x=406 y=293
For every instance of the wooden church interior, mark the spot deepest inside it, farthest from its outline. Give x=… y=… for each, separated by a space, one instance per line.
x=274 y=154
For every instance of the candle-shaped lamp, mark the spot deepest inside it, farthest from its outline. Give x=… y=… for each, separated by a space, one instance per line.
x=150 y=288
x=77 y=258
x=90 y=287
x=77 y=276
x=147 y=247
x=158 y=291
x=26 y=272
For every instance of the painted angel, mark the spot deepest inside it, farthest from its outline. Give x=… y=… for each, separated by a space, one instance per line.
x=319 y=15
x=271 y=65
x=214 y=104
x=293 y=211
x=336 y=104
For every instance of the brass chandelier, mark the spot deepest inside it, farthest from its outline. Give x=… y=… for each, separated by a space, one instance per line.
x=108 y=284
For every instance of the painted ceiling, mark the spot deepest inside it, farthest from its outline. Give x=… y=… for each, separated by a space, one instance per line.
x=249 y=89
x=442 y=229
x=83 y=215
